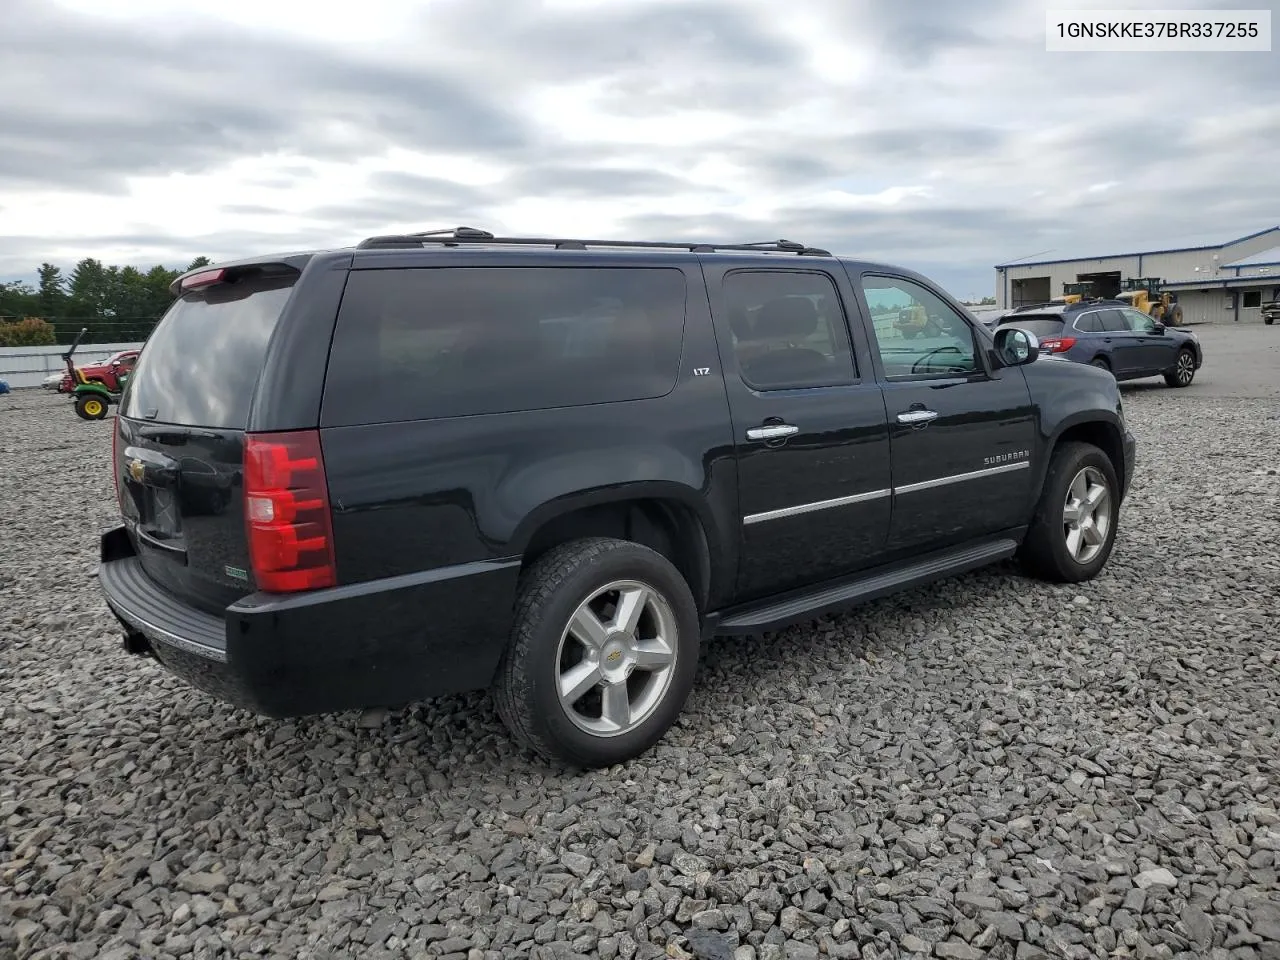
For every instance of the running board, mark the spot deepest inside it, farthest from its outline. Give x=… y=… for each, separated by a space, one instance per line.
x=774 y=614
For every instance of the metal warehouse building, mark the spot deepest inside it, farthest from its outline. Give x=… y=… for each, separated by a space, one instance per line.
x=1216 y=284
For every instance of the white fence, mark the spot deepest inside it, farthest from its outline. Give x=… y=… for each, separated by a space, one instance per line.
x=28 y=366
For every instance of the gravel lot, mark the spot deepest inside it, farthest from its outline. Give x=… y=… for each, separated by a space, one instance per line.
x=991 y=767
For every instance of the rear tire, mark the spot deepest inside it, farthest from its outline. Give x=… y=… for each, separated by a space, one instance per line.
x=1101 y=363
x=1184 y=369
x=1075 y=524
x=1268 y=320
x=1174 y=317
x=91 y=407
x=575 y=684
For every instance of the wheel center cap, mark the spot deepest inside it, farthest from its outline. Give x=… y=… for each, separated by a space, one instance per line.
x=615 y=657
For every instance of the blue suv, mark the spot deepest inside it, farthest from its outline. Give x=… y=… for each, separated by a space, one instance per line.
x=1112 y=335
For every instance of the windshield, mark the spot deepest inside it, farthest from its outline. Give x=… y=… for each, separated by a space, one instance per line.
x=200 y=366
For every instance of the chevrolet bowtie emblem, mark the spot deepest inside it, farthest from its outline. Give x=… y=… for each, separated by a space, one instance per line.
x=136 y=470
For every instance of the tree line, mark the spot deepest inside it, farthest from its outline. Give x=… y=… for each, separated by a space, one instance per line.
x=116 y=304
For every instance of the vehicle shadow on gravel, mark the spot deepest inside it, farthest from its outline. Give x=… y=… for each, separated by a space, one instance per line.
x=461 y=734
x=460 y=737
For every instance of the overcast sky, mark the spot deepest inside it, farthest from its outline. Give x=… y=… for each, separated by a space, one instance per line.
x=936 y=134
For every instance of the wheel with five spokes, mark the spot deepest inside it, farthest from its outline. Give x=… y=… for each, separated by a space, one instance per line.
x=1074 y=529
x=602 y=655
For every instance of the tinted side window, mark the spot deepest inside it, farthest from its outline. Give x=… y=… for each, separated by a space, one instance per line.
x=1089 y=323
x=788 y=329
x=459 y=341
x=1113 y=321
x=917 y=333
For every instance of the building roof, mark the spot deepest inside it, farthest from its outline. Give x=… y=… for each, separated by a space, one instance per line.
x=1135 y=253
x=1264 y=258
x=1223 y=282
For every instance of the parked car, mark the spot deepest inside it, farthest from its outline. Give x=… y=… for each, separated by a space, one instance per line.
x=1114 y=336
x=446 y=462
x=53 y=381
x=106 y=371
x=1271 y=312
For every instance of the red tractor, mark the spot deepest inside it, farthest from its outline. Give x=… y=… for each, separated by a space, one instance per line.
x=106 y=372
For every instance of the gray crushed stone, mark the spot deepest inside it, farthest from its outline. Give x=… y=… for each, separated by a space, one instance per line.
x=991 y=767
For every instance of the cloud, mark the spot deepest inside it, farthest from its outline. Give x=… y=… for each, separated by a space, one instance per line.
x=119 y=101
x=940 y=135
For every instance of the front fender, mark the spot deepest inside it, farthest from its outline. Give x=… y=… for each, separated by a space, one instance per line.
x=1069 y=395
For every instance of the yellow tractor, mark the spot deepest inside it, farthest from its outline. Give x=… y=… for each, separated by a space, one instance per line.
x=1143 y=293
x=1075 y=292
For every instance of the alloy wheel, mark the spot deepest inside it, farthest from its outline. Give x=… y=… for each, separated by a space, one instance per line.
x=1087 y=515
x=1186 y=368
x=616 y=658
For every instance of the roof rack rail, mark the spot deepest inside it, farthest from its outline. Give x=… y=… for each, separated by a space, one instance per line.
x=456 y=236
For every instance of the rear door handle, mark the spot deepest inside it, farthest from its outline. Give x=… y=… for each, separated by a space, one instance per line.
x=917 y=416
x=774 y=431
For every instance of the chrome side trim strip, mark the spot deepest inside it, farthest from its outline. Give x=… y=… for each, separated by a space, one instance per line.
x=962 y=477
x=817 y=505
x=802 y=508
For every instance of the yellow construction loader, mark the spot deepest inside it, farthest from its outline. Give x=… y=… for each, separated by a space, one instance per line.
x=1143 y=293
x=1075 y=292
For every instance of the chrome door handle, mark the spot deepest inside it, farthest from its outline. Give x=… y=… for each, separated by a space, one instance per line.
x=917 y=416
x=774 y=431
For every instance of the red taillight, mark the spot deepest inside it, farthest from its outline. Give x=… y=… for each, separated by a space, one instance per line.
x=286 y=506
x=1057 y=344
x=203 y=279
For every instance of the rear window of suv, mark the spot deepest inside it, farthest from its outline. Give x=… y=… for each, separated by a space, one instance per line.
x=201 y=364
x=431 y=342
x=1039 y=326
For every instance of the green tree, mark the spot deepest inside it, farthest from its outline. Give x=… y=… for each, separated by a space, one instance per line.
x=117 y=304
x=52 y=288
x=18 y=300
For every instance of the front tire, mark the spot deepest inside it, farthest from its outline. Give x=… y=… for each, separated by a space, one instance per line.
x=1074 y=529
x=1184 y=369
x=602 y=655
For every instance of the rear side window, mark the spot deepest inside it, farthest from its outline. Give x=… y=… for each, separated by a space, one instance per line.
x=1089 y=323
x=201 y=364
x=1113 y=321
x=458 y=341
x=788 y=329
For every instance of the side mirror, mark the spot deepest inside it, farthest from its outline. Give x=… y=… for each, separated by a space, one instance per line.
x=1015 y=346
x=1158 y=328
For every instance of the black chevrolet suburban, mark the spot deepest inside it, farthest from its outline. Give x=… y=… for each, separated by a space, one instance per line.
x=450 y=461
